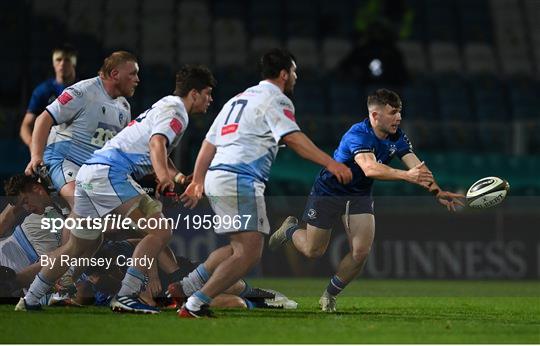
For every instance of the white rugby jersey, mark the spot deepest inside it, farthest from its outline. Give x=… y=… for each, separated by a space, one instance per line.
x=29 y=241
x=130 y=150
x=247 y=130
x=43 y=240
x=86 y=118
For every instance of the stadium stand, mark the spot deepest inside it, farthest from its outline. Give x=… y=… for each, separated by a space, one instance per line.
x=473 y=65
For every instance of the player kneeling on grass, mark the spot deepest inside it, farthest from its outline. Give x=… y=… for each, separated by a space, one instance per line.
x=104 y=185
x=366 y=148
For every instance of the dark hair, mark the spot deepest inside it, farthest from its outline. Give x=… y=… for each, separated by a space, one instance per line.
x=382 y=97
x=191 y=77
x=114 y=60
x=275 y=60
x=66 y=49
x=19 y=183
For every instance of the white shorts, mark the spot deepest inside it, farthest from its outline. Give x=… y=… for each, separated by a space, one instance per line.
x=99 y=189
x=237 y=197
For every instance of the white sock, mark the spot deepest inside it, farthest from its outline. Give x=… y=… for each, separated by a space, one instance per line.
x=198 y=299
x=37 y=290
x=195 y=280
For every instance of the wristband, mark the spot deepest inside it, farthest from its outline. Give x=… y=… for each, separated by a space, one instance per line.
x=179 y=178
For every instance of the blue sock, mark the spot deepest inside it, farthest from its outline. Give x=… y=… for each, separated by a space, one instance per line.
x=246 y=290
x=335 y=286
x=290 y=231
x=249 y=304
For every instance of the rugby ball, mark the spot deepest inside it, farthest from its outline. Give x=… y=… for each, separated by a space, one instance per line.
x=487 y=192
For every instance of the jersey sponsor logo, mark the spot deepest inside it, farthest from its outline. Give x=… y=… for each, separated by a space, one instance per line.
x=225 y=130
x=289 y=114
x=65 y=98
x=176 y=125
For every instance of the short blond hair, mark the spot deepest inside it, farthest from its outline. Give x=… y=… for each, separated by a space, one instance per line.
x=114 y=60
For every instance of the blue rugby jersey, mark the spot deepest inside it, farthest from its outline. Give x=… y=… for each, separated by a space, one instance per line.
x=361 y=139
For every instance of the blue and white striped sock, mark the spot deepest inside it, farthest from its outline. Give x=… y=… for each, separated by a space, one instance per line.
x=133 y=283
x=335 y=286
x=290 y=231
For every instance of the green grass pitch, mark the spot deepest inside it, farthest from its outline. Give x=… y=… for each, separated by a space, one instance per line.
x=370 y=311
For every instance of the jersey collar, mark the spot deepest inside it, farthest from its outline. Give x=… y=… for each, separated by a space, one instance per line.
x=271 y=85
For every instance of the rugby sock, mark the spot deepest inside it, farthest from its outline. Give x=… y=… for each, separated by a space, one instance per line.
x=335 y=286
x=39 y=287
x=249 y=304
x=290 y=231
x=133 y=282
x=246 y=290
x=196 y=300
x=203 y=273
x=195 y=280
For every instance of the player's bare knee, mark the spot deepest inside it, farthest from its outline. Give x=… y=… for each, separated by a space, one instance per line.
x=360 y=254
x=314 y=251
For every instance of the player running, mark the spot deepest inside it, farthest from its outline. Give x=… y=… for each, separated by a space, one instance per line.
x=85 y=116
x=366 y=148
x=234 y=164
x=105 y=185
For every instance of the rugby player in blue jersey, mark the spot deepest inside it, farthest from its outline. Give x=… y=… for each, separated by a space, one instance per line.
x=64 y=60
x=366 y=148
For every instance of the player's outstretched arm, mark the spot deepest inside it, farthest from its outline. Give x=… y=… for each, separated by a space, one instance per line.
x=304 y=147
x=449 y=199
x=195 y=189
x=418 y=174
x=42 y=128
x=26 y=128
x=158 y=156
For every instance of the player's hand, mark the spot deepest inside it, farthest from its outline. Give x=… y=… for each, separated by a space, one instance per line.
x=450 y=199
x=33 y=166
x=342 y=172
x=192 y=195
x=420 y=175
x=165 y=185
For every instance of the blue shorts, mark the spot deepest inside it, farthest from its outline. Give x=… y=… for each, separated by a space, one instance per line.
x=323 y=210
x=61 y=170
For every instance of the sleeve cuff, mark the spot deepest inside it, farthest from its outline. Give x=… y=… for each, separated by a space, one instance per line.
x=405 y=152
x=161 y=134
x=363 y=150
x=52 y=116
x=288 y=133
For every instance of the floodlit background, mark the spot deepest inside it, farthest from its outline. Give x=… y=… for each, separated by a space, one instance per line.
x=467 y=71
